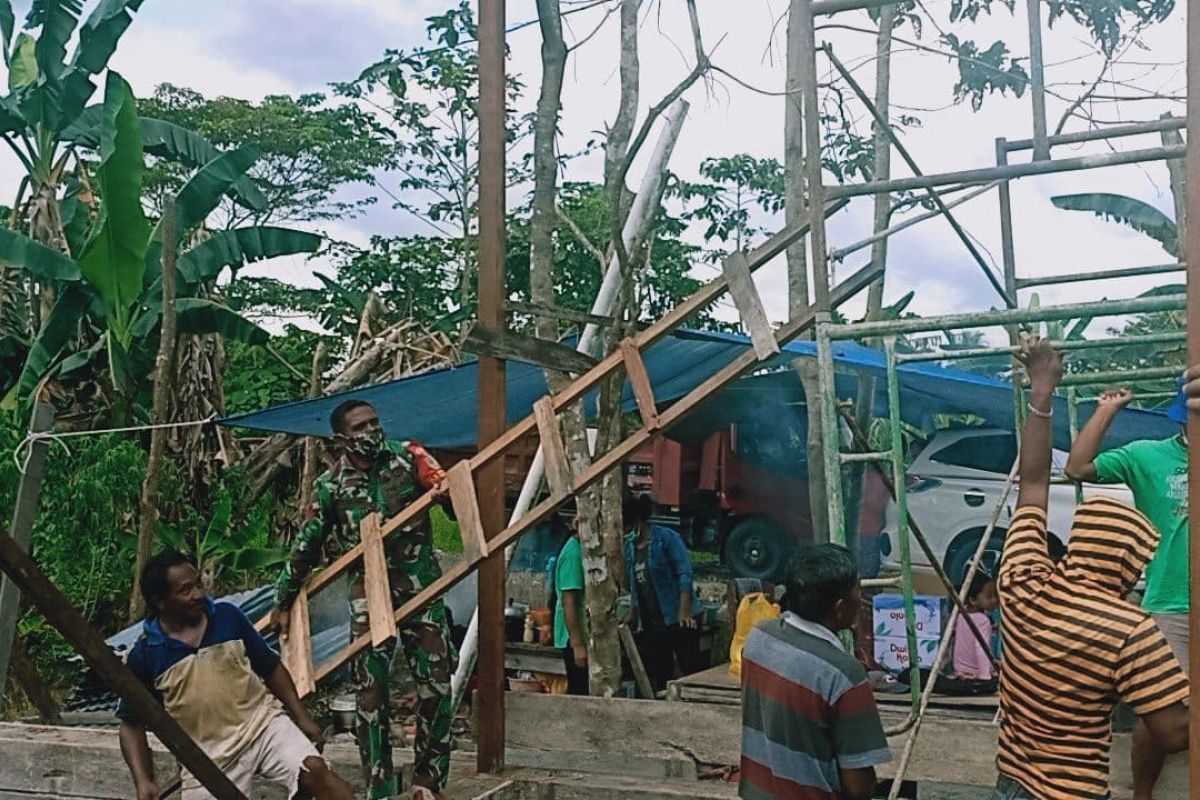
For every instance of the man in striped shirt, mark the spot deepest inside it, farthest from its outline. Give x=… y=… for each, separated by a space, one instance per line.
x=1073 y=644
x=810 y=728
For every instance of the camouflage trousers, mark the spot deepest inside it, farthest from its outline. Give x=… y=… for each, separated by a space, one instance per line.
x=425 y=641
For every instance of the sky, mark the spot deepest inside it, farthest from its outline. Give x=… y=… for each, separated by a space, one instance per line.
x=253 y=48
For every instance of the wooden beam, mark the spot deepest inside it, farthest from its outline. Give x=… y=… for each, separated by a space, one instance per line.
x=554 y=452
x=486 y=341
x=375 y=582
x=567 y=315
x=466 y=510
x=639 y=381
x=73 y=627
x=645 y=686
x=750 y=306
x=603 y=464
x=297 y=650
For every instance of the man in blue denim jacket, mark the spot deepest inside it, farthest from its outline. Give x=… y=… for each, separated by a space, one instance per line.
x=660 y=588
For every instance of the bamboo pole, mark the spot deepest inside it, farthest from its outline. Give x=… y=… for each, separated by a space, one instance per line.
x=1065 y=346
x=1099 y=275
x=988 y=174
x=1100 y=134
x=1037 y=80
x=1102 y=308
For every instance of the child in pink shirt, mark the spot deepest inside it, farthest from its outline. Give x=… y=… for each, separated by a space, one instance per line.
x=971 y=660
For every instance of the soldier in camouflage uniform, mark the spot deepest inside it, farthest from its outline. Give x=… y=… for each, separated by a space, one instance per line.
x=375 y=475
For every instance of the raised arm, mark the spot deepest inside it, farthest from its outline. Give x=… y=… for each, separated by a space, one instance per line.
x=1043 y=364
x=1081 y=465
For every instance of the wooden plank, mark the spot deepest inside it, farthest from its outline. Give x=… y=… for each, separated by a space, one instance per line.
x=639 y=381
x=466 y=511
x=554 y=452
x=601 y=466
x=486 y=341
x=750 y=306
x=297 y=650
x=375 y=582
x=69 y=622
x=645 y=687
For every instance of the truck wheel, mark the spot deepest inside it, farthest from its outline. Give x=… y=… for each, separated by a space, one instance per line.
x=757 y=548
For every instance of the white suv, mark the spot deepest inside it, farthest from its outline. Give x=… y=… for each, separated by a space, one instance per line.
x=954 y=483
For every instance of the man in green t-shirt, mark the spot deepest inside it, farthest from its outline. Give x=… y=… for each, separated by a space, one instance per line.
x=570 y=632
x=1156 y=473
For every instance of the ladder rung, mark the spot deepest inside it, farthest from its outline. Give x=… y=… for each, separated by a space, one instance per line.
x=375 y=581
x=297 y=650
x=639 y=381
x=750 y=306
x=558 y=469
x=466 y=511
x=854 y=458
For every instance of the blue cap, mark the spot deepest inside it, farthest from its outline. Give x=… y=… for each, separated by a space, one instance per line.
x=1178 y=412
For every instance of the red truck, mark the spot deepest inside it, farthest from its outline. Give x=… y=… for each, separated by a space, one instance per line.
x=736 y=488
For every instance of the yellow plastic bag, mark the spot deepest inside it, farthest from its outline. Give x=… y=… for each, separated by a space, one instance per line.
x=754 y=608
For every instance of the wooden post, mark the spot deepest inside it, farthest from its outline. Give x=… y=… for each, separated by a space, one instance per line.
x=1192 y=256
x=492 y=408
x=69 y=622
x=375 y=582
x=28 y=493
x=164 y=382
x=312 y=444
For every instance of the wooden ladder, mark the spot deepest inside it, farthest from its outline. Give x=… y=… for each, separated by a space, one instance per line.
x=736 y=278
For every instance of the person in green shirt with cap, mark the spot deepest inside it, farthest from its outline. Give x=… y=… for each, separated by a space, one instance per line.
x=1156 y=472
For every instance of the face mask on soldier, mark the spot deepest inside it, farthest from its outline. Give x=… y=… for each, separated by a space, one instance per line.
x=366 y=445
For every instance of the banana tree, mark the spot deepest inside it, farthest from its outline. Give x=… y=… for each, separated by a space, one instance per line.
x=1142 y=217
x=110 y=294
x=44 y=120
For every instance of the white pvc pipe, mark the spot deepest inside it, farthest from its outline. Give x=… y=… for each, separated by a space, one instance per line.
x=645 y=205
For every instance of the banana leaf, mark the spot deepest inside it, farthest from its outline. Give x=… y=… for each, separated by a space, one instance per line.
x=241 y=246
x=1142 y=217
x=40 y=262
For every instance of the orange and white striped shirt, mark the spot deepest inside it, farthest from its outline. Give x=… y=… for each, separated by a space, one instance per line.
x=1074 y=646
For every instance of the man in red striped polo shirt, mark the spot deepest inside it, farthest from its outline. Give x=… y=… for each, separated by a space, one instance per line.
x=810 y=728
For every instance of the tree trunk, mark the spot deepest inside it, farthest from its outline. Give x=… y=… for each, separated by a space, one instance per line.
x=164 y=379
x=795 y=208
x=882 y=170
x=545 y=170
x=25 y=676
x=793 y=165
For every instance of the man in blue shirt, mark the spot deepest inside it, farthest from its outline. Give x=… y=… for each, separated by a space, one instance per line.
x=659 y=572
x=226 y=687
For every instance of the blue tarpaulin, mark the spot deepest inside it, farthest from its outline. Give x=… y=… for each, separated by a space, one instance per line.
x=438 y=408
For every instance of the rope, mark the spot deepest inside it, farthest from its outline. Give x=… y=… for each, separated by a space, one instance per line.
x=24 y=449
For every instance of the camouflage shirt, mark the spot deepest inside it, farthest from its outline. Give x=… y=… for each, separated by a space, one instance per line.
x=344 y=495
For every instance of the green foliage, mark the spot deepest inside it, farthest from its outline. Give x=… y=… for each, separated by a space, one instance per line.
x=84 y=535
x=446 y=535
x=1104 y=18
x=310 y=151
x=982 y=72
x=114 y=259
x=254 y=379
x=735 y=186
x=1142 y=217
x=222 y=546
